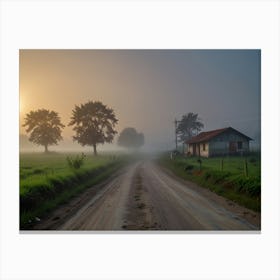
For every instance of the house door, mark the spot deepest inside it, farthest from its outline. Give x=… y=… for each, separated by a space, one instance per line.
x=232 y=147
x=194 y=149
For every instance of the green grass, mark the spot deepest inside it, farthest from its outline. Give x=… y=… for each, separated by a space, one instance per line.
x=47 y=181
x=232 y=164
x=231 y=181
x=46 y=169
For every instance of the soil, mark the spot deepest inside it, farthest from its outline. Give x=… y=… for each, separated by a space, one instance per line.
x=140 y=214
x=144 y=196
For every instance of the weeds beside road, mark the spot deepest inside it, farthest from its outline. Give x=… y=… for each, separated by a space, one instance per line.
x=224 y=176
x=46 y=181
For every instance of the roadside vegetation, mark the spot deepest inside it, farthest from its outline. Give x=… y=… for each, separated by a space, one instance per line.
x=48 y=180
x=236 y=178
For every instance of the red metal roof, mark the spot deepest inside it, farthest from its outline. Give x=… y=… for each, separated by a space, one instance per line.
x=207 y=135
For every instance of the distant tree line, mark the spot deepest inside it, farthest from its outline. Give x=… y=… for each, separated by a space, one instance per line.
x=130 y=138
x=93 y=123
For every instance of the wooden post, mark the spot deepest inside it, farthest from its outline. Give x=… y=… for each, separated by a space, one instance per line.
x=176 y=144
x=222 y=164
x=245 y=167
x=199 y=161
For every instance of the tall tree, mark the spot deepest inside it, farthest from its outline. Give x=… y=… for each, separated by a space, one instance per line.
x=189 y=125
x=94 y=124
x=130 y=138
x=44 y=127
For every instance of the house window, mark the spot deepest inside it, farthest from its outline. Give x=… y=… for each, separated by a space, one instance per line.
x=239 y=145
x=204 y=147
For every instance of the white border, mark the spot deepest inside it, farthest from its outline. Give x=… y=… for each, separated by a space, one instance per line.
x=125 y=24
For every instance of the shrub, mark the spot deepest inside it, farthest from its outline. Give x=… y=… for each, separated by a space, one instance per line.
x=189 y=167
x=250 y=186
x=77 y=162
x=215 y=176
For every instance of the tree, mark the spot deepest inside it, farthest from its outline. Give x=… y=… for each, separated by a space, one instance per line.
x=44 y=127
x=189 y=125
x=94 y=124
x=130 y=138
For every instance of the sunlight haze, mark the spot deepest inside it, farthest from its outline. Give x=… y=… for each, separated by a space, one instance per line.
x=147 y=89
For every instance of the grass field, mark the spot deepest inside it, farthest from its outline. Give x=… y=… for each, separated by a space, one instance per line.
x=236 y=178
x=41 y=169
x=46 y=180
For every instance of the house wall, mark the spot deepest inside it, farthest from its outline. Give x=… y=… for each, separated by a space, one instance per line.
x=204 y=153
x=218 y=148
x=198 y=150
x=190 y=149
x=220 y=145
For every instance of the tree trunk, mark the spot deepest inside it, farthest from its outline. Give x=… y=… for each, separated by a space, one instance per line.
x=46 y=149
x=94 y=150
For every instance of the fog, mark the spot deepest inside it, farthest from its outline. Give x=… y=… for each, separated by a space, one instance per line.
x=147 y=89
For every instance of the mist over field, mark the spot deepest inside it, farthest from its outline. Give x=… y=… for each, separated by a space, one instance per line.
x=137 y=102
x=147 y=89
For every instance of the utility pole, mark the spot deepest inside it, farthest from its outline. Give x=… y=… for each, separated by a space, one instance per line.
x=176 y=144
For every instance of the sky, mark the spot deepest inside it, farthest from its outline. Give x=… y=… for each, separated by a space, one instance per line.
x=147 y=89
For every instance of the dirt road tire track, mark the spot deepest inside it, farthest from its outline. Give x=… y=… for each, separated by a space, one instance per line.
x=146 y=197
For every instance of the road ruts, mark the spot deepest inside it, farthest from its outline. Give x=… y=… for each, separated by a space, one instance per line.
x=145 y=197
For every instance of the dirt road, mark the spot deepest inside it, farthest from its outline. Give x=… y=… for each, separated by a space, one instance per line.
x=146 y=197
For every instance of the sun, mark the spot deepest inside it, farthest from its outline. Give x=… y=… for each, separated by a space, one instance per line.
x=21 y=106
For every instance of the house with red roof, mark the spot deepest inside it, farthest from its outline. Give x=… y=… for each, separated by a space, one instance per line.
x=219 y=142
